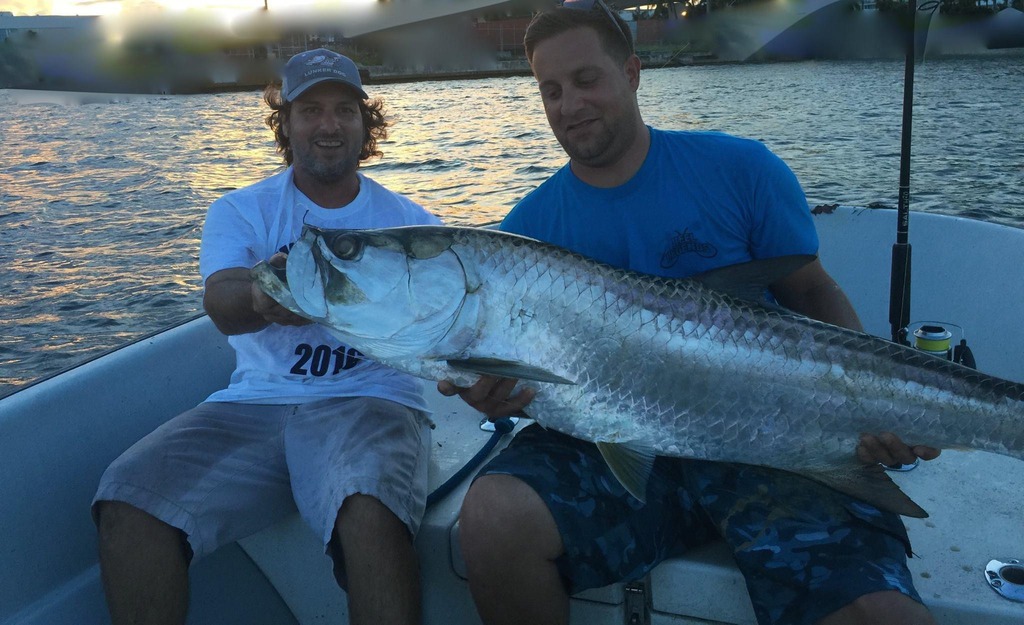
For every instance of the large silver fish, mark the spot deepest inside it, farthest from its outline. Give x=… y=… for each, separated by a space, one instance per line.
x=644 y=366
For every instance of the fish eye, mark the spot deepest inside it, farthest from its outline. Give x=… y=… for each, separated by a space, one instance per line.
x=347 y=247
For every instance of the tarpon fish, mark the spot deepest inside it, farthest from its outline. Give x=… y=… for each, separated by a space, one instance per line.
x=644 y=366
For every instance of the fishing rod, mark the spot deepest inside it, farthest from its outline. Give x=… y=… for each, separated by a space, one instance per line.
x=899 y=281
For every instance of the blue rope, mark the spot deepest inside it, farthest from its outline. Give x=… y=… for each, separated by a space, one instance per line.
x=501 y=427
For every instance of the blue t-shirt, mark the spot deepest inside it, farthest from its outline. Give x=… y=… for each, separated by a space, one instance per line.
x=700 y=201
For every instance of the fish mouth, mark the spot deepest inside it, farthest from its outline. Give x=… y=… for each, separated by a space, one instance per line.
x=279 y=272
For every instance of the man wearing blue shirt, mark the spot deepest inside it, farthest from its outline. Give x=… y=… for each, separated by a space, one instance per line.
x=546 y=519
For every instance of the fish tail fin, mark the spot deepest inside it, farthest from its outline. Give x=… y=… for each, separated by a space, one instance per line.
x=870 y=483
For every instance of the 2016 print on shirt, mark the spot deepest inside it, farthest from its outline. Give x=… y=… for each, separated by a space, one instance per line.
x=318 y=360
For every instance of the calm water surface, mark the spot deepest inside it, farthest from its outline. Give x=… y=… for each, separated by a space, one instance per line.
x=102 y=203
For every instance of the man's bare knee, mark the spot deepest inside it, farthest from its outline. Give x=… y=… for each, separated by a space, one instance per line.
x=505 y=506
x=361 y=507
x=360 y=514
x=881 y=607
x=376 y=562
x=112 y=514
x=123 y=526
x=121 y=516
x=143 y=565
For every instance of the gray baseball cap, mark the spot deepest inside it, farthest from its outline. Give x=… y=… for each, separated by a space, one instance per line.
x=312 y=67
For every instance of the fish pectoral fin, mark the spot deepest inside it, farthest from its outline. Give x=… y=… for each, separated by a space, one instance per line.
x=630 y=465
x=870 y=483
x=507 y=369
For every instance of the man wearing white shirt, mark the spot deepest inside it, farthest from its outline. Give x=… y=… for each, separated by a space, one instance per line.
x=305 y=422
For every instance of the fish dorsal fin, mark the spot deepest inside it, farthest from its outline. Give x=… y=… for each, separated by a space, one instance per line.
x=749 y=281
x=630 y=465
x=870 y=483
x=507 y=369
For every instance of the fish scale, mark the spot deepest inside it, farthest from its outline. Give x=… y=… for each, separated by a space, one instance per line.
x=646 y=366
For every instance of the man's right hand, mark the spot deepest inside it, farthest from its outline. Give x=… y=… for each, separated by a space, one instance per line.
x=237 y=306
x=491 y=395
x=267 y=307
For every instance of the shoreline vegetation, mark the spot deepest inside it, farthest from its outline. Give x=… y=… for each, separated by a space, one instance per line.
x=157 y=63
x=382 y=75
x=260 y=72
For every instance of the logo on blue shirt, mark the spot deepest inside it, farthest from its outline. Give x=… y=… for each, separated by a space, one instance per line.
x=685 y=243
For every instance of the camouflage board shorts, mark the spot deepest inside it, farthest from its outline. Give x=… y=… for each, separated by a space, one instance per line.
x=804 y=550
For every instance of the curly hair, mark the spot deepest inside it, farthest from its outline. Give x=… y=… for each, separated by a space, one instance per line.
x=375 y=126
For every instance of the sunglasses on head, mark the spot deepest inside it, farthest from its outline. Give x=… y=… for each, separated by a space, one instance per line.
x=587 y=5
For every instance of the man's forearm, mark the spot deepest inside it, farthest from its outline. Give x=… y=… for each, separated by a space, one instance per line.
x=228 y=301
x=828 y=303
x=812 y=292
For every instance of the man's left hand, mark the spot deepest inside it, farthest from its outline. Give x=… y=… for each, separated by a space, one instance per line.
x=888 y=449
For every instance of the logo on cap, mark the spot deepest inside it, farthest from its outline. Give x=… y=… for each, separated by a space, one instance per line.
x=327 y=62
x=314 y=66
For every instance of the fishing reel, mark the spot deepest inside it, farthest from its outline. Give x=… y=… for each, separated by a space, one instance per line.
x=934 y=338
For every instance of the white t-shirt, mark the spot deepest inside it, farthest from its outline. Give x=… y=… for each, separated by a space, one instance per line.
x=284 y=364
